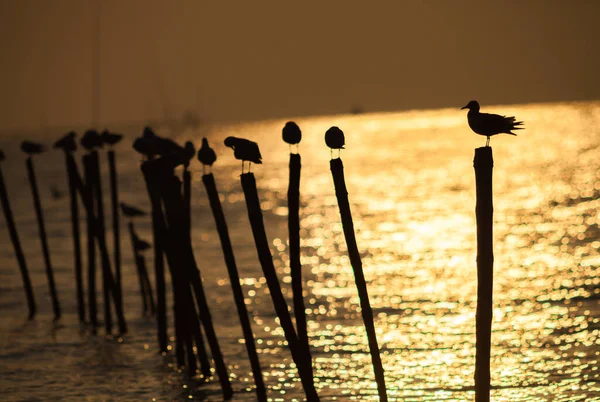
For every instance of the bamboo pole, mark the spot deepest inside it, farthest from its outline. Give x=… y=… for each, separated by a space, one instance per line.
x=484 y=210
x=43 y=238
x=298 y=352
x=337 y=171
x=14 y=237
x=234 y=279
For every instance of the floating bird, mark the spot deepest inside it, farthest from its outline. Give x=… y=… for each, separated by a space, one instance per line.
x=131 y=211
x=67 y=143
x=1 y=155
x=110 y=138
x=334 y=138
x=244 y=150
x=206 y=155
x=31 y=148
x=291 y=133
x=490 y=124
x=91 y=139
x=140 y=245
x=188 y=152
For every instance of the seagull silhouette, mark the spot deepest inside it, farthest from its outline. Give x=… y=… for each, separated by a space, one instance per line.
x=244 y=150
x=291 y=134
x=67 y=143
x=110 y=138
x=206 y=155
x=139 y=244
x=334 y=138
x=130 y=211
x=91 y=139
x=32 y=148
x=490 y=124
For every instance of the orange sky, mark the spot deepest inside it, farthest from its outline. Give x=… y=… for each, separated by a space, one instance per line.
x=239 y=61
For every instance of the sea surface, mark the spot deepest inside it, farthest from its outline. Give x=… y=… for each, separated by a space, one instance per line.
x=411 y=186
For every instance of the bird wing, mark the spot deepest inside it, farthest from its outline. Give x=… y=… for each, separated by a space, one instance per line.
x=495 y=124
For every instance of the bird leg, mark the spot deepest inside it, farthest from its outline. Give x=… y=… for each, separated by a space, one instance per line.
x=242 y=166
x=203 y=169
x=249 y=167
x=487 y=143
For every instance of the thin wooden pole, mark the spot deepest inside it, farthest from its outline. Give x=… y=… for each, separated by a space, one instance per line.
x=159 y=267
x=484 y=211
x=294 y=238
x=298 y=352
x=74 y=181
x=14 y=237
x=114 y=197
x=337 y=171
x=136 y=256
x=43 y=238
x=88 y=198
x=234 y=279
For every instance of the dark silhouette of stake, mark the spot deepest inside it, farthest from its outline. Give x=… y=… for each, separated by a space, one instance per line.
x=138 y=247
x=68 y=144
x=295 y=264
x=234 y=279
x=88 y=200
x=337 y=171
x=484 y=210
x=159 y=263
x=114 y=198
x=43 y=238
x=141 y=263
x=14 y=237
x=298 y=351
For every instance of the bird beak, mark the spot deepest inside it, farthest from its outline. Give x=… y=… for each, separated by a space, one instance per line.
x=464 y=107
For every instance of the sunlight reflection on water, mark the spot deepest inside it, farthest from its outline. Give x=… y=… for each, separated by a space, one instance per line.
x=411 y=185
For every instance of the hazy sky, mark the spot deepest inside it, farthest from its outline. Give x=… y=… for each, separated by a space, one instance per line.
x=233 y=60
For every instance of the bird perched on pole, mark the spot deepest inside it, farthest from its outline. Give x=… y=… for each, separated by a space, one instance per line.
x=244 y=150
x=334 y=138
x=110 y=138
x=130 y=211
x=188 y=153
x=490 y=124
x=140 y=245
x=91 y=139
x=32 y=148
x=206 y=155
x=291 y=134
x=67 y=143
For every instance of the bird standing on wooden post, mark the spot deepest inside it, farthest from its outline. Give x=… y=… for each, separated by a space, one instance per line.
x=206 y=155
x=291 y=134
x=67 y=143
x=110 y=138
x=31 y=148
x=244 y=150
x=490 y=124
x=334 y=138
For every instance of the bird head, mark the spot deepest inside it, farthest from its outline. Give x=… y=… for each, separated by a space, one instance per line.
x=230 y=142
x=91 y=139
x=67 y=142
x=148 y=132
x=473 y=105
x=205 y=143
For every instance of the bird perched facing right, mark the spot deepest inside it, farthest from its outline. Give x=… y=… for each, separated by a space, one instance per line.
x=131 y=211
x=206 y=155
x=244 y=150
x=110 y=138
x=32 y=148
x=291 y=133
x=67 y=143
x=91 y=139
x=490 y=124
x=334 y=138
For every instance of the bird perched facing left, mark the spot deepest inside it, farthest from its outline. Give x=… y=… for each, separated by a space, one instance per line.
x=206 y=155
x=490 y=124
x=244 y=150
x=291 y=133
x=334 y=138
x=67 y=143
x=32 y=148
x=110 y=138
x=130 y=211
x=91 y=139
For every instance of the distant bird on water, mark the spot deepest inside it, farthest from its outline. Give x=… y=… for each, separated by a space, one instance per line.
x=67 y=143
x=334 y=138
x=110 y=138
x=206 y=155
x=91 y=139
x=490 y=124
x=31 y=148
x=244 y=150
x=130 y=211
x=291 y=134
